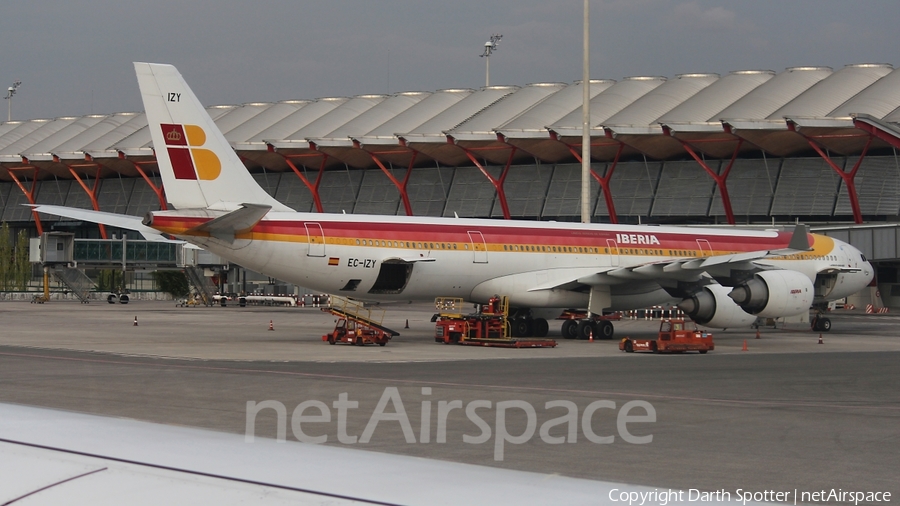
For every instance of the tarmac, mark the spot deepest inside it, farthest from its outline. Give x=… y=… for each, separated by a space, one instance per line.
x=787 y=414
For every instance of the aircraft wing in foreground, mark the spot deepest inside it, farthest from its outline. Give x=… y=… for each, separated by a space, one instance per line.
x=58 y=457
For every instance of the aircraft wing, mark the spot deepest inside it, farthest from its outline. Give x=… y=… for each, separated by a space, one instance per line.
x=59 y=457
x=114 y=220
x=681 y=269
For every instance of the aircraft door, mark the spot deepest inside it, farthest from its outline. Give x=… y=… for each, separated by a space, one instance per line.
x=705 y=248
x=479 y=247
x=316 y=238
x=613 y=252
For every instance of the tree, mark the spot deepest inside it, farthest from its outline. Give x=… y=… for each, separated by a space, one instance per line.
x=172 y=282
x=22 y=264
x=110 y=280
x=6 y=258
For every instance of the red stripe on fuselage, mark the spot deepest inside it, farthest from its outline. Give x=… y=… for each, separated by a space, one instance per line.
x=438 y=233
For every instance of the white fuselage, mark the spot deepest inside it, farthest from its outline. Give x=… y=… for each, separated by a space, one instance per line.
x=474 y=259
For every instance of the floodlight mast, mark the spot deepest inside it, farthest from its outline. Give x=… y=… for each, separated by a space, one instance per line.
x=489 y=48
x=585 y=119
x=9 y=95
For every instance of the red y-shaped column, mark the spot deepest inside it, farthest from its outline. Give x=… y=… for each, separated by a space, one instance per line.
x=29 y=194
x=498 y=183
x=158 y=190
x=401 y=187
x=720 y=179
x=603 y=180
x=313 y=187
x=847 y=177
x=91 y=192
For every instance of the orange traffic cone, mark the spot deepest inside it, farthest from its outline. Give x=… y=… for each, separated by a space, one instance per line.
x=590 y=335
x=820 y=339
x=745 y=346
x=757 y=333
x=271 y=325
x=135 y=321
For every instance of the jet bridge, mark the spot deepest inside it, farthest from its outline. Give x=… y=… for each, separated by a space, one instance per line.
x=67 y=258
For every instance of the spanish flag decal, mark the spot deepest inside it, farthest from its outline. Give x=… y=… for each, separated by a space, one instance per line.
x=334 y=261
x=189 y=159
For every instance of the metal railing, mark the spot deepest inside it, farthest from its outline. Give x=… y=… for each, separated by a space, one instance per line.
x=357 y=310
x=202 y=284
x=76 y=281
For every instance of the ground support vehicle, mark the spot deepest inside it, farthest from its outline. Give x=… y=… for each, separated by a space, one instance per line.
x=489 y=326
x=675 y=336
x=357 y=324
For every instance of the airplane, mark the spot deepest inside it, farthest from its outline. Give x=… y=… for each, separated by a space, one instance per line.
x=721 y=278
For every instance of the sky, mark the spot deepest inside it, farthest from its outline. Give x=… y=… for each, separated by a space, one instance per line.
x=74 y=58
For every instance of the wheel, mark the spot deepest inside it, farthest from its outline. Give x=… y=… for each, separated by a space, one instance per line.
x=330 y=338
x=629 y=346
x=824 y=324
x=520 y=327
x=454 y=337
x=382 y=343
x=585 y=329
x=653 y=347
x=359 y=341
x=569 y=328
x=703 y=352
x=541 y=327
x=605 y=330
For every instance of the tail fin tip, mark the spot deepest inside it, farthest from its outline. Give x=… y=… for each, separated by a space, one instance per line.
x=199 y=168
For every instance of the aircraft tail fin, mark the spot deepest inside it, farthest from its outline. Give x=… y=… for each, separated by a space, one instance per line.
x=199 y=168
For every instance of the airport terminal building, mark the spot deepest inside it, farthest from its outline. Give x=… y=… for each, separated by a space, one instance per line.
x=756 y=147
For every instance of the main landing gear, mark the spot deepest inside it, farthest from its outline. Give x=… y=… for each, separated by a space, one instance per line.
x=584 y=329
x=529 y=327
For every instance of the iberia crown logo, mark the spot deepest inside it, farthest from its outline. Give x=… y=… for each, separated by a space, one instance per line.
x=189 y=159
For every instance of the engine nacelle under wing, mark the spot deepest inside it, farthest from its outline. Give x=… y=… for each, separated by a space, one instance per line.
x=773 y=294
x=711 y=307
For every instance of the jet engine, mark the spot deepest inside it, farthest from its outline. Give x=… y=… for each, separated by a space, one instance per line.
x=773 y=294
x=711 y=307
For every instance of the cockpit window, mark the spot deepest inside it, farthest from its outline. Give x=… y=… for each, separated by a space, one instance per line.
x=863 y=257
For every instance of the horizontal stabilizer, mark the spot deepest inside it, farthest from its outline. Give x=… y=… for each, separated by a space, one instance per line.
x=111 y=219
x=236 y=222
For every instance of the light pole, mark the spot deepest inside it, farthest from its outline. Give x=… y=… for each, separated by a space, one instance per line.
x=489 y=47
x=9 y=95
x=585 y=122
